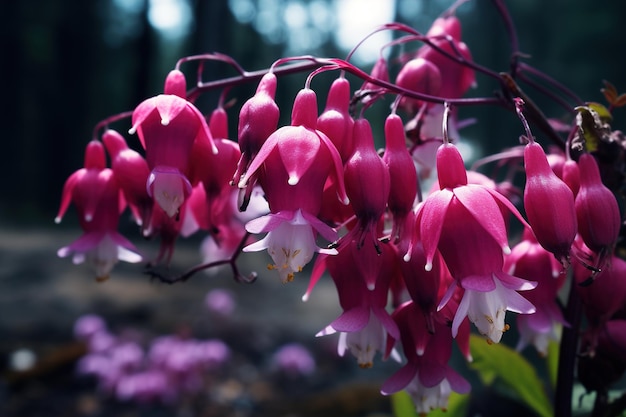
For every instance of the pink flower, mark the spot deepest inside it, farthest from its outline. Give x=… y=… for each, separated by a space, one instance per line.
x=529 y=260
x=213 y=172
x=294 y=164
x=96 y=195
x=597 y=212
x=606 y=295
x=419 y=75
x=167 y=126
x=426 y=376
x=549 y=204
x=335 y=121
x=364 y=323
x=402 y=174
x=258 y=119
x=367 y=184
x=456 y=78
x=464 y=223
x=290 y=240
x=131 y=172
x=296 y=160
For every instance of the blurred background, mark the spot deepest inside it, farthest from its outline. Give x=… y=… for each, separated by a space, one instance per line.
x=67 y=64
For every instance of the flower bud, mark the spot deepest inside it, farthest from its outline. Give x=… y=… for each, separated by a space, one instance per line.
x=549 y=204
x=336 y=121
x=402 y=173
x=597 y=212
x=419 y=75
x=366 y=179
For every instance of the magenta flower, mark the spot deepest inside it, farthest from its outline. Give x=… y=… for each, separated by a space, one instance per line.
x=426 y=376
x=419 y=75
x=606 y=295
x=529 y=260
x=290 y=240
x=258 y=119
x=167 y=126
x=293 y=360
x=465 y=223
x=597 y=212
x=364 y=323
x=456 y=79
x=402 y=174
x=95 y=193
x=367 y=184
x=335 y=121
x=549 y=204
x=294 y=165
x=131 y=172
x=213 y=172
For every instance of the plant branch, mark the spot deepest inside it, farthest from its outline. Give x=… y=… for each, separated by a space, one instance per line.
x=232 y=261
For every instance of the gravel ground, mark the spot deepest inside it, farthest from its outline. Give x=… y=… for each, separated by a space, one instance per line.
x=41 y=296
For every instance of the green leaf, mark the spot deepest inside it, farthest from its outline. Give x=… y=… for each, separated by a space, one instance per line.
x=513 y=370
x=552 y=361
x=402 y=406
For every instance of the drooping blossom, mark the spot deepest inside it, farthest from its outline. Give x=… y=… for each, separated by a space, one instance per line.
x=335 y=121
x=167 y=126
x=464 y=222
x=419 y=75
x=367 y=184
x=294 y=164
x=456 y=78
x=402 y=175
x=597 y=212
x=94 y=192
x=131 y=172
x=364 y=323
x=549 y=204
x=529 y=260
x=258 y=119
x=426 y=376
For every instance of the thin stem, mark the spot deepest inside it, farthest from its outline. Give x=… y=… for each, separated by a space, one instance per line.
x=547 y=92
x=232 y=261
x=309 y=78
x=512 y=32
x=554 y=83
x=253 y=76
x=519 y=109
x=567 y=356
x=444 y=122
x=111 y=119
x=532 y=111
x=216 y=56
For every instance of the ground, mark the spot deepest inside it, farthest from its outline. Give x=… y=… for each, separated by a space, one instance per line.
x=41 y=296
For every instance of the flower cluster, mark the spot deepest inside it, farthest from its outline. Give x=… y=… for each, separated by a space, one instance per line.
x=414 y=269
x=172 y=366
